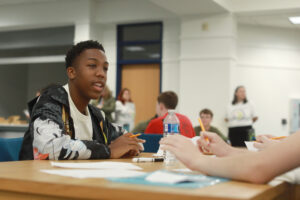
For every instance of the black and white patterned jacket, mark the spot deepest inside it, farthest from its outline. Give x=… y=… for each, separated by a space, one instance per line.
x=51 y=133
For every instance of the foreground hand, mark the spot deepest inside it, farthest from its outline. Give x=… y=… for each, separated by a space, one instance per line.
x=183 y=148
x=212 y=143
x=125 y=146
x=264 y=141
x=259 y=137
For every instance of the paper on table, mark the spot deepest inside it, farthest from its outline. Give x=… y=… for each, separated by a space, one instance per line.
x=92 y=173
x=182 y=170
x=97 y=165
x=173 y=178
x=292 y=176
x=250 y=146
x=164 y=177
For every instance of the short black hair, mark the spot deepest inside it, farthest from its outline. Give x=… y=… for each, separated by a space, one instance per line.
x=207 y=112
x=77 y=49
x=169 y=99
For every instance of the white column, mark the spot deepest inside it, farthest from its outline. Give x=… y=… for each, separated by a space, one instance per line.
x=208 y=52
x=85 y=27
x=170 y=55
x=82 y=32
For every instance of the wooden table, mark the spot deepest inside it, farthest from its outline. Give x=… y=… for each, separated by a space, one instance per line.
x=23 y=180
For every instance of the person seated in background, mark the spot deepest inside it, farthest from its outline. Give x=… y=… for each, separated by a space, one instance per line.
x=37 y=94
x=106 y=103
x=141 y=127
x=125 y=110
x=64 y=126
x=168 y=101
x=206 y=116
x=236 y=163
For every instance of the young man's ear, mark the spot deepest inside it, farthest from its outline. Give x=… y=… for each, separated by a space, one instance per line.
x=71 y=72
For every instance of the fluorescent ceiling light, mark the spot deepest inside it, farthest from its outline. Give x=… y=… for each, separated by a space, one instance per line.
x=154 y=55
x=295 y=20
x=135 y=48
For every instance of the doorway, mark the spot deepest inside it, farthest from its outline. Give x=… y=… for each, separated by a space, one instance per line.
x=139 y=65
x=143 y=80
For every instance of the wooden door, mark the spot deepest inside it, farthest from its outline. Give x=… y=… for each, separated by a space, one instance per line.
x=143 y=80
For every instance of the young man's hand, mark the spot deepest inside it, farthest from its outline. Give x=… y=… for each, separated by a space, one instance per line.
x=212 y=143
x=125 y=146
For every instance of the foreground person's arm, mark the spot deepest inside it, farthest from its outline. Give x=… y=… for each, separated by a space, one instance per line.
x=256 y=167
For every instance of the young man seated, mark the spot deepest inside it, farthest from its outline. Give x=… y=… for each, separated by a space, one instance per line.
x=64 y=126
x=206 y=116
x=166 y=101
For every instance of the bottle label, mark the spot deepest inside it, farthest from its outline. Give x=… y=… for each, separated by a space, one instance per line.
x=171 y=128
x=165 y=128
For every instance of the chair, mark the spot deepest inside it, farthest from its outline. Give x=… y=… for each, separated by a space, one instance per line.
x=10 y=148
x=152 y=142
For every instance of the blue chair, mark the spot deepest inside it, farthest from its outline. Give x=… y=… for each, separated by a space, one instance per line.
x=152 y=142
x=10 y=148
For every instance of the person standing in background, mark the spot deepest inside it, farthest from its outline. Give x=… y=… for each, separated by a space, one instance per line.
x=37 y=94
x=106 y=102
x=240 y=117
x=125 y=110
x=206 y=116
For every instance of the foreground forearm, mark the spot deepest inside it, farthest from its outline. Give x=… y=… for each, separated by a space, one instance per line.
x=238 y=167
x=228 y=150
x=257 y=167
x=237 y=150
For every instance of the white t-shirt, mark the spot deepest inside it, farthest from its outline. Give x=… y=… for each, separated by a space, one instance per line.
x=125 y=114
x=240 y=114
x=82 y=123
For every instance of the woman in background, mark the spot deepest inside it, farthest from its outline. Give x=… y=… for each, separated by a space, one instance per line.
x=107 y=103
x=125 y=110
x=240 y=117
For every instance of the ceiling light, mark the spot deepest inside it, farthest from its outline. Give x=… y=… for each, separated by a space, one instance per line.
x=295 y=20
x=154 y=55
x=135 y=48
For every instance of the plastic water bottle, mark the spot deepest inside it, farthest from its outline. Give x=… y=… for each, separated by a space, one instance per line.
x=171 y=127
